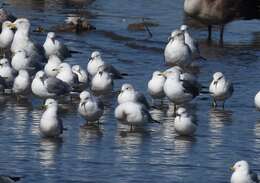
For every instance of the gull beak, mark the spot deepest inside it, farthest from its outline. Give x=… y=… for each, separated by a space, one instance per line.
x=90 y=59
x=232 y=168
x=12 y=26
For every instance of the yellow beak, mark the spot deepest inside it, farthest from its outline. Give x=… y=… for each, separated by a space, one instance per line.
x=232 y=168
x=11 y=25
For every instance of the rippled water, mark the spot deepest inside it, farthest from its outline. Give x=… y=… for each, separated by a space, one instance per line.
x=155 y=154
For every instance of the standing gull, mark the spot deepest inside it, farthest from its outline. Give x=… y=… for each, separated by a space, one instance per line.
x=22 y=83
x=155 y=85
x=54 y=47
x=102 y=82
x=96 y=62
x=22 y=41
x=243 y=174
x=65 y=74
x=176 y=51
x=45 y=87
x=6 y=71
x=51 y=68
x=220 y=88
x=51 y=124
x=179 y=91
x=89 y=107
x=6 y=36
x=129 y=94
x=184 y=123
x=133 y=114
x=81 y=74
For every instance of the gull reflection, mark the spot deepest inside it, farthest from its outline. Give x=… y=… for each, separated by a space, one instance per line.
x=217 y=119
x=49 y=149
x=90 y=132
x=257 y=133
x=183 y=145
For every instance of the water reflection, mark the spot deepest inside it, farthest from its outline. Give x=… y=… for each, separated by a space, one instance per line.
x=217 y=119
x=90 y=132
x=49 y=150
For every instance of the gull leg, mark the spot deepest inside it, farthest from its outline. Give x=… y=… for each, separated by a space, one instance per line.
x=209 y=32
x=214 y=103
x=131 y=128
x=174 y=110
x=223 y=105
x=221 y=35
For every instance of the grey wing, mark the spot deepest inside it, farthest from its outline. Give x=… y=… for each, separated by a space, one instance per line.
x=254 y=177
x=190 y=88
x=141 y=99
x=150 y=119
x=115 y=73
x=64 y=51
x=57 y=86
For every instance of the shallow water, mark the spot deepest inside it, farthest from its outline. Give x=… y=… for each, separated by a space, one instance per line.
x=154 y=154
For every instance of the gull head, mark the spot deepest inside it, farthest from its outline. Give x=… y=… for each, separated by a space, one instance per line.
x=241 y=166
x=172 y=73
x=84 y=96
x=127 y=87
x=94 y=55
x=176 y=35
x=181 y=112
x=21 y=23
x=217 y=76
x=51 y=36
x=64 y=67
x=50 y=103
x=76 y=68
x=20 y=52
x=4 y=62
x=158 y=74
x=40 y=75
x=184 y=28
x=7 y=25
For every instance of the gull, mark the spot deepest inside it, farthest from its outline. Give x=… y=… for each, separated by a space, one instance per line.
x=155 y=85
x=185 y=76
x=133 y=114
x=54 y=47
x=51 y=68
x=220 y=88
x=129 y=94
x=243 y=174
x=193 y=44
x=45 y=87
x=20 y=61
x=6 y=71
x=257 y=100
x=179 y=91
x=177 y=52
x=89 y=107
x=65 y=74
x=22 y=83
x=184 y=123
x=22 y=40
x=9 y=179
x=6 y=36
x=81 y=74
x=102 y=82
x=50 y=124
x=96 y=62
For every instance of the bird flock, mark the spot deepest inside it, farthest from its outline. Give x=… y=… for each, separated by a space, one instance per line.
x=30 y=68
